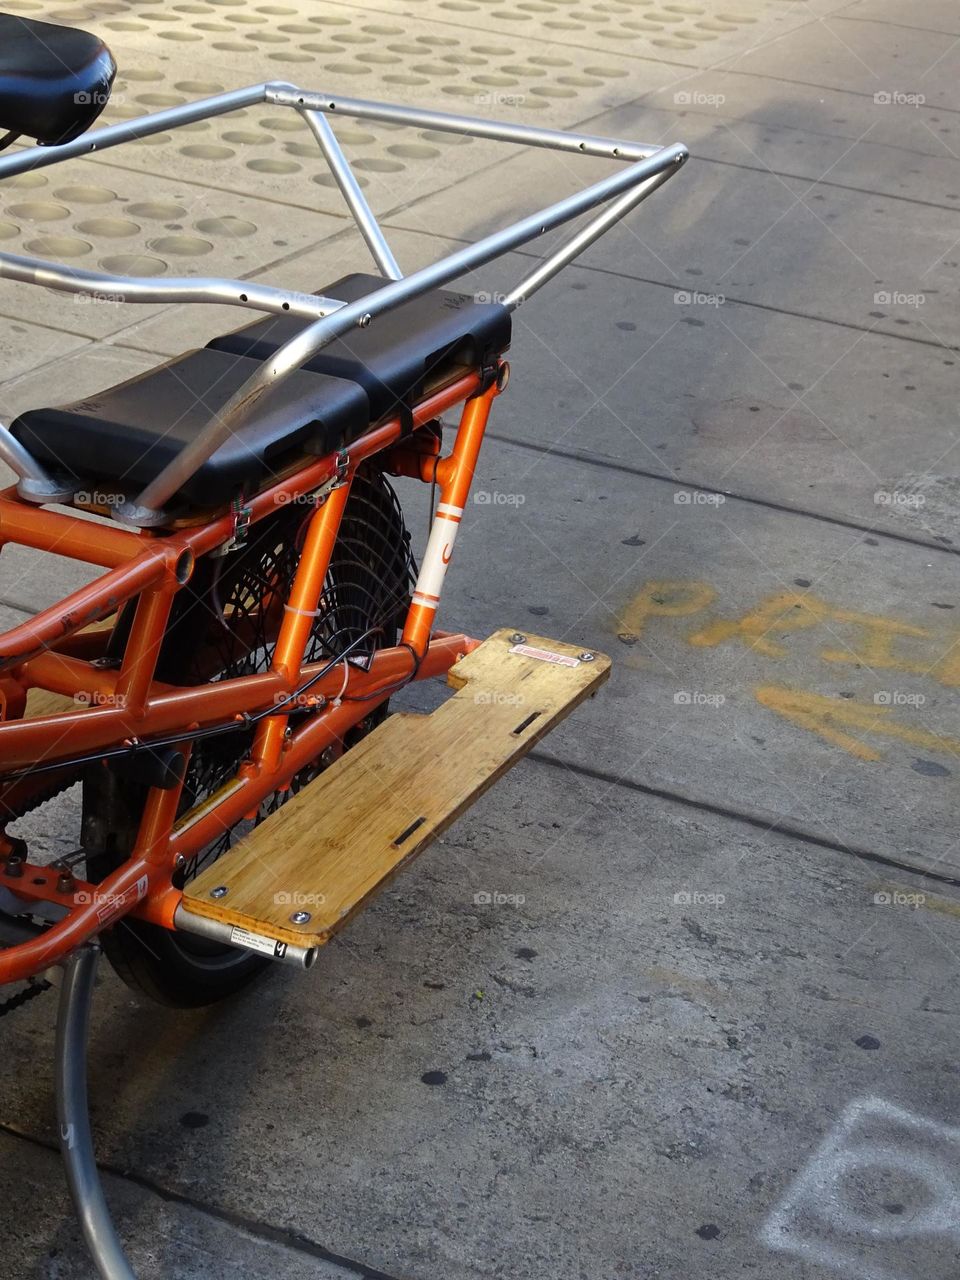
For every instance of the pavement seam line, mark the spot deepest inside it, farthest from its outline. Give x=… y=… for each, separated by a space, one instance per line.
x=610 y=464
x=265 y=1231
x=728 y=300
x=738 y=815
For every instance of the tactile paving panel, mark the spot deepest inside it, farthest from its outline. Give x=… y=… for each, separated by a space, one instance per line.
x=285 y=36
x=643 y=25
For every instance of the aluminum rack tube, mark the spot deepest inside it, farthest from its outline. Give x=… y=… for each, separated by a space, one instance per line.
x=219 y=931
x=585 y=237
x=142 y=127
x=36 y=483
x=235 y=293
x=356 y=200
x=525 y=135
x=299 y=349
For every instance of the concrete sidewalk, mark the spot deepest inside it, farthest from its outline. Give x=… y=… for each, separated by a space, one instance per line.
x=715 y=1031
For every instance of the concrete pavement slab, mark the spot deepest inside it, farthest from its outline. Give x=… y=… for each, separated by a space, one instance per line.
x=927 y=129
x=268 y=152
x=861 y=55
x=936 y=15
x=407 y=55
x=11 y=616
x=624 y=1069
x=182 y=327
x=25 y=345
x=165 y=1238
x=827 y=152
x=742 y=398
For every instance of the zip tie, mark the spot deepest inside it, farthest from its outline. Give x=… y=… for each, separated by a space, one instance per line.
x=304 y=613
x=338 y=700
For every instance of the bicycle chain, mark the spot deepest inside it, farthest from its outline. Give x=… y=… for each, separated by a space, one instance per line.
x=24 y=997
x=37 y=988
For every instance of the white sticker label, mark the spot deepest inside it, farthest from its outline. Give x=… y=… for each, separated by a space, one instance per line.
x=545 y=655
x=257 y=942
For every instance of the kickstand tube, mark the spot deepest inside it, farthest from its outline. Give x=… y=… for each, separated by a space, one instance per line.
x=76 y=1140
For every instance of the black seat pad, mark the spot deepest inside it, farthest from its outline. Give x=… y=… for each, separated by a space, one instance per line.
x=54 y=81
x=392 y=358
x=119 y=440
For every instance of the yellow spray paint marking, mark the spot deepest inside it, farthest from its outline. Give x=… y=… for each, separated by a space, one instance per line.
x=787 y=611
x=943 y=906
x=799 y=611
x=874 y=648
x=947 y=669
x=903 y=895
x=843 y=723
x=666 y=599
x=831 y=718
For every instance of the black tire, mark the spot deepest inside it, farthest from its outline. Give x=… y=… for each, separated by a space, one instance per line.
x=367 y=587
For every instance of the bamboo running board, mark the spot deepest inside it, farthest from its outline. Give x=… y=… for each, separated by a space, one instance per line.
x=341 y=838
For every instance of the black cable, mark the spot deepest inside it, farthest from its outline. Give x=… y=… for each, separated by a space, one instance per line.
x=246 y=721
x=398 y=684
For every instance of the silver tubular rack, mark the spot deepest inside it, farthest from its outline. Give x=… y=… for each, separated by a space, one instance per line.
x=646 y=169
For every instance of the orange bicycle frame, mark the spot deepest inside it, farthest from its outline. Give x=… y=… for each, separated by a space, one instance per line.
x=123 y=711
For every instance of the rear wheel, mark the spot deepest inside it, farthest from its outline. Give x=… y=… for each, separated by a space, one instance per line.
x=224 y=625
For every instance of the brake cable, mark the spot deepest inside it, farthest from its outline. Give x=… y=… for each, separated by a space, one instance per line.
x=245 y=720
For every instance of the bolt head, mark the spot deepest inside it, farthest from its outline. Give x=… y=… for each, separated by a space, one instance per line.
x=517 y=638
x=300 y=917
x=220 y=891
x=586 y=656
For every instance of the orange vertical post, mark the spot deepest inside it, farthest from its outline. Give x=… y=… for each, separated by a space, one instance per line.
x=455 y=474
x=300 y=612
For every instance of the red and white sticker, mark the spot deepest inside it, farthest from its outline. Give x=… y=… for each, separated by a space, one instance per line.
x=111 y=904
x=544 y=655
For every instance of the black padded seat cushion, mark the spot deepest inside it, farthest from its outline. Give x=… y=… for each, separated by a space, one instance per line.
x=122 y=438
x=399 y=351
x=54 y=81
x=119 y=440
